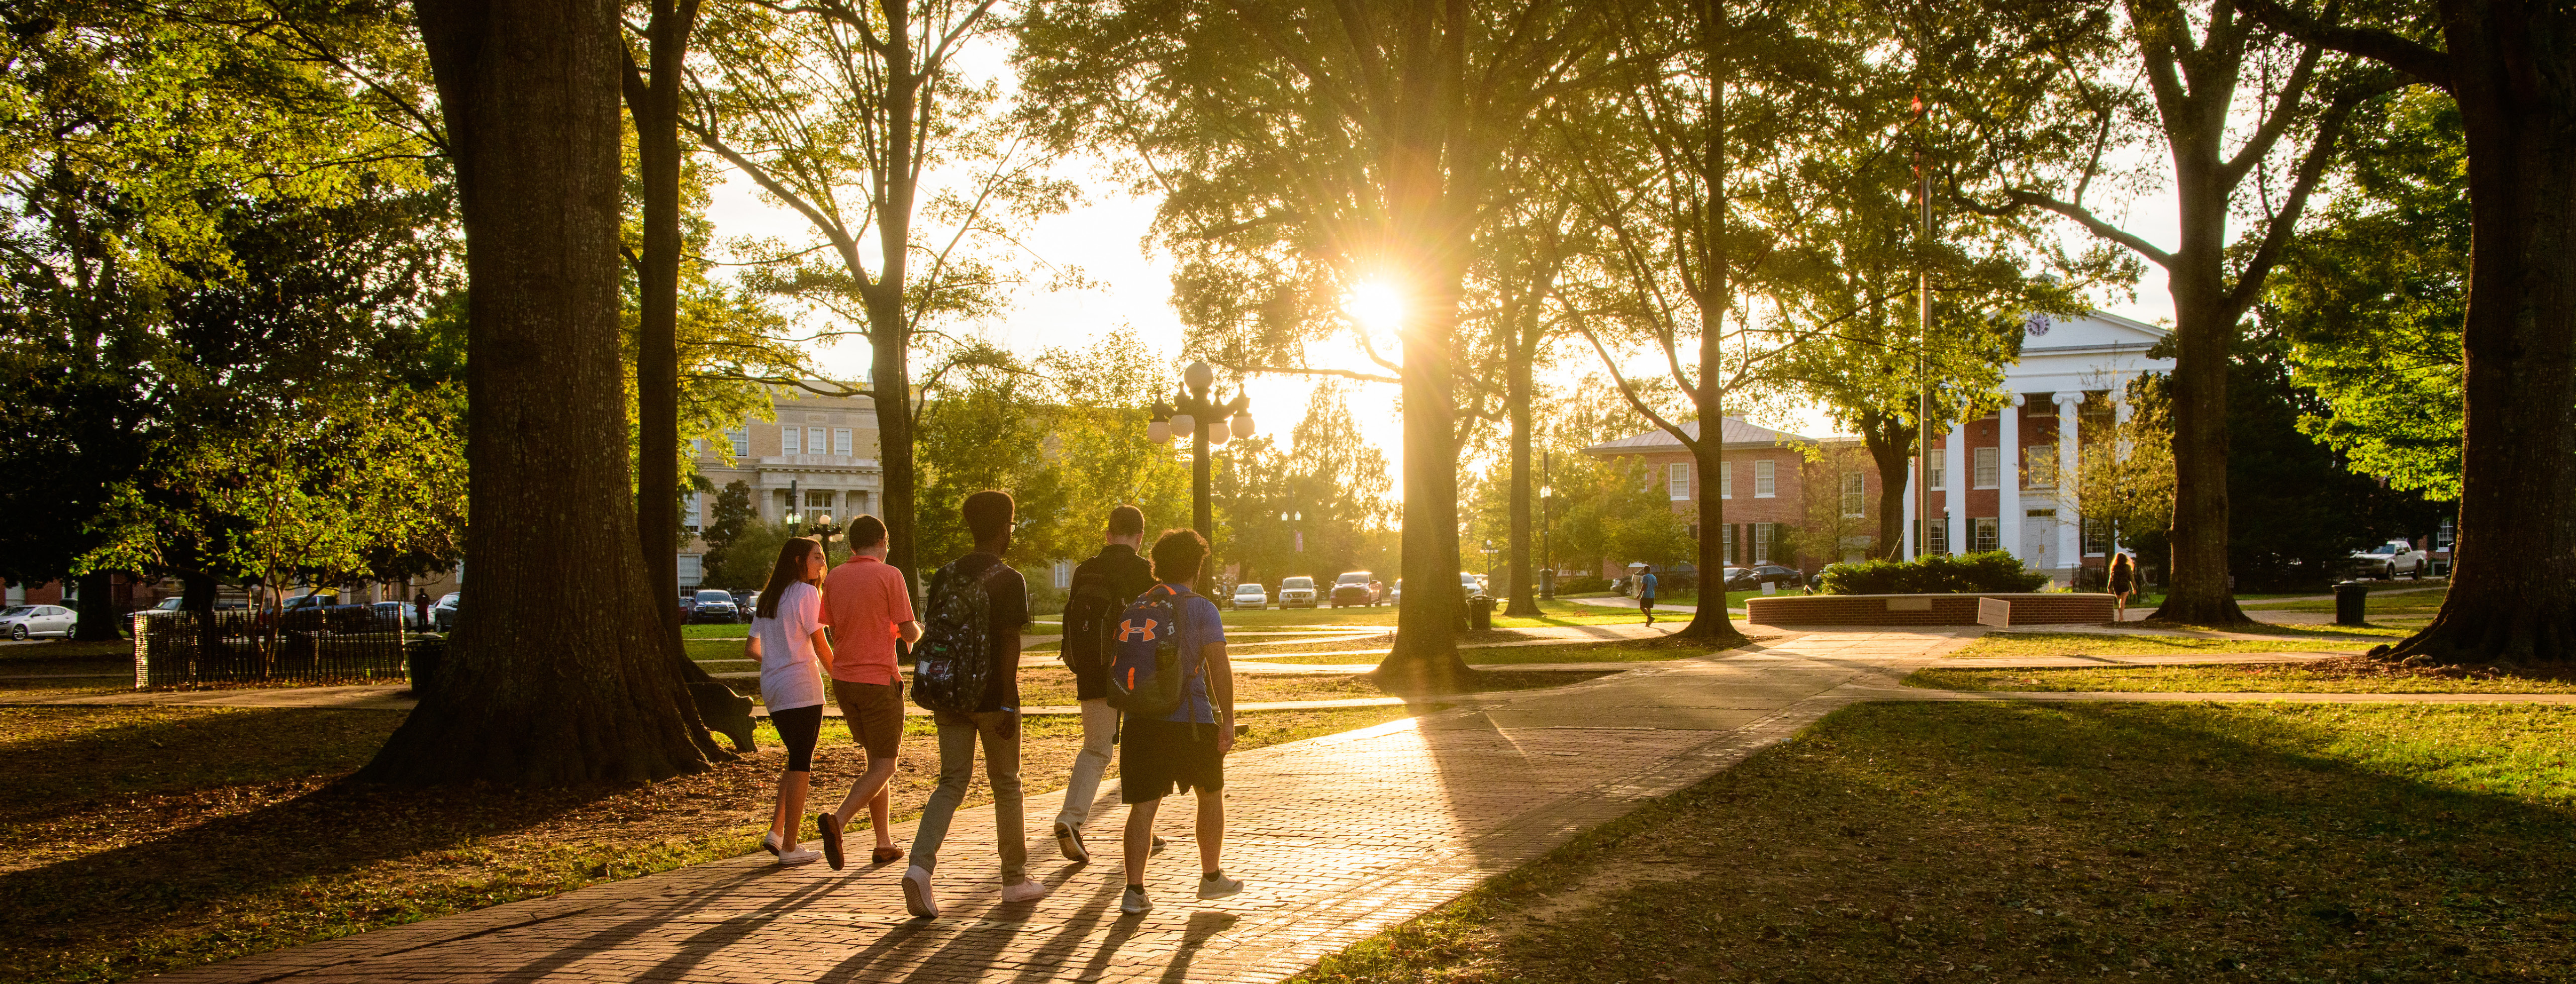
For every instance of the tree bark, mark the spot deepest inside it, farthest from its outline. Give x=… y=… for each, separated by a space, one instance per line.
x=1425 y=655
x=1517 y=386
x=1709 y=619
x=653 y=100
x=2199 y=588
x=96 y=610
x=556 y=676
x=1890 y=441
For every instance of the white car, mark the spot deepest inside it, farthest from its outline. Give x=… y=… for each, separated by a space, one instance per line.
x=1297 y=592
x=29 y=621
x=2389 y=559
x=1250 y=596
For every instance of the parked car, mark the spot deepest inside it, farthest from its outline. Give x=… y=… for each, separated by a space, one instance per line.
x=443 y=615
x=711 y=605
x=30 y=621
x=392 y=613
x=1250 y=595
x=1753 y=578
x=1352 y=588
x=178 y=604
x=2389 y=559
x=1395 y=594
x=1297 y=592
x=1470 y=585
x=742 y=602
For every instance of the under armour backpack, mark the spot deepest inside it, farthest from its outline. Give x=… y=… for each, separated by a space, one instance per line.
x=954 y=659
x=1091 y=611
x=1146 y=675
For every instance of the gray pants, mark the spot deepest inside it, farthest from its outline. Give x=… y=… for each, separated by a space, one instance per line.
x=1099 y=726
x=1000 y=731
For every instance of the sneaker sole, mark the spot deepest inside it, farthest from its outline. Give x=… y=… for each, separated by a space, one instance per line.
x=1070 y=845
x=916 y=901
x=1205 y=894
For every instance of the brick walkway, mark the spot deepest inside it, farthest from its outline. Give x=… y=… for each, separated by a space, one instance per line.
x=1340 y=837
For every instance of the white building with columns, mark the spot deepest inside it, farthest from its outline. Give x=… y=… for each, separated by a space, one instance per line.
x=1996 y=480
x=818 y=458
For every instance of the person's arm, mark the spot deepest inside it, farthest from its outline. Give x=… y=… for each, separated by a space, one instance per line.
x=751 y=646
x=812 y=610
x=899 y=604
x=1220 y=678
x=910 y=631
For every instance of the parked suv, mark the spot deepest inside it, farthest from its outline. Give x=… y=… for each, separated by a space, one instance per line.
x=2389 y=559
x=1297 y=592
x=1352 y=588
x=712 y=605
x=443 y=616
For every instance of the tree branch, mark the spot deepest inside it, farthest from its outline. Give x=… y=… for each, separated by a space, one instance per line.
x=2427 y=64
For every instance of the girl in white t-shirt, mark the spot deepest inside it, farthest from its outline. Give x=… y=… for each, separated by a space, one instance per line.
x=787 y=638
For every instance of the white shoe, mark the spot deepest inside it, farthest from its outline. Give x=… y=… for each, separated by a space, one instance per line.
x=798 y=856
x=1133 y=902
x=769 y=842
x=1215 y=885
x=1068 y=839
x=917 y=896
x=1027 y=891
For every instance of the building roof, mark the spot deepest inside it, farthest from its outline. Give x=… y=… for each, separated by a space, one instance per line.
x=1737 y=434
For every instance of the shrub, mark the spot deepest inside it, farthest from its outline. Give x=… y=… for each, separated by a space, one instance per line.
x=1581 y=585
x=1939 y=574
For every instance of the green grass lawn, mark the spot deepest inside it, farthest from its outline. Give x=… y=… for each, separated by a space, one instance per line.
x=715 y=630
x=1912 y=842
x=2385 y=599
x=1623 y=651
x=2340 y=676
x=138 y=840
x=2020 y=644
x=62 y=649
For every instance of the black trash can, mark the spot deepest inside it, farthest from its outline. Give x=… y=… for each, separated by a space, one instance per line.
x=1480 y=613
x=2352 y=601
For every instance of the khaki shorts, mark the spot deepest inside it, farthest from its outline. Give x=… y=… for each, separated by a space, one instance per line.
x=874 y=712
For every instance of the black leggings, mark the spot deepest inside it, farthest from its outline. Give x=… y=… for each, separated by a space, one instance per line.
x=798 y=727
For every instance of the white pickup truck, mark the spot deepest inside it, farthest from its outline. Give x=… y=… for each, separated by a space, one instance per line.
x=2390 y=559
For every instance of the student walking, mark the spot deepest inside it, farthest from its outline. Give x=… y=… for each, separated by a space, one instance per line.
x=868 y=607
x=977 y=603
x=1182 y=750
x=787 y=638
x=1102 y=588
x=2122 y=582
x=1646 y=594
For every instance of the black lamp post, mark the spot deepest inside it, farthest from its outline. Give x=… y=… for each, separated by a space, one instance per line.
x=1203 y=419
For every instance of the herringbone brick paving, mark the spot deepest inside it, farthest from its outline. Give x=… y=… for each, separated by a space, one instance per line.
x=1340 y=838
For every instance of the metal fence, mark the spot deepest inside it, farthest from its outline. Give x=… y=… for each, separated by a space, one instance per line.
x=312 y=646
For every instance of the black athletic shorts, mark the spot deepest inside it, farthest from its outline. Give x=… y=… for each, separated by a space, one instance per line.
x=798 y=728
x=1158 y=758
x=1645 y=604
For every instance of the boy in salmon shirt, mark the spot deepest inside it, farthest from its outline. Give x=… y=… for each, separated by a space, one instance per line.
x=868 y=607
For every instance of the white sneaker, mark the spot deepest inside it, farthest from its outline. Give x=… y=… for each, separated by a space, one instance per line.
x=1215 y=885
x=1027 y=891
x=769 y=842
x=798 y=856
x=1068 y=839
x=917 y=896
x=1133 y=902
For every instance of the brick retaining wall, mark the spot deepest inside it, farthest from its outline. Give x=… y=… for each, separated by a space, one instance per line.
x=1923 y=609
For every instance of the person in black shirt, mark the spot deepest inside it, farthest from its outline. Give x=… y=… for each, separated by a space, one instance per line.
x=995 y=721
x=1125 y=575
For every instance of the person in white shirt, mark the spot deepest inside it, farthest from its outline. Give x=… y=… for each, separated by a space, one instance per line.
x=787 y=638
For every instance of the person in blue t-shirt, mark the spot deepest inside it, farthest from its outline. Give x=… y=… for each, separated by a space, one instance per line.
x=1183 y=751
x=1646 y=594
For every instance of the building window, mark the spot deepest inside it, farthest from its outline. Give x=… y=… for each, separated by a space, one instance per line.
x=1063 y=569
x=1764 y=484
x=1726 y=480
x=841 y=441
x=1726 y=542
x=1762 y=533
x=1677 y=480
x=2040 y=463
x=698 y=446
x=1983 y=532
x=814 y=440
x=2097 y=537
x=1855 y=495
x=1940 y=472
x=741 y=441
x=1985 y=470
x=791 y=440
x=689 y=513
x=818 y=503
x=1937 y=539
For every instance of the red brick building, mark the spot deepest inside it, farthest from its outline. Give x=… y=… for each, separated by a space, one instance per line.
x=1767 y=482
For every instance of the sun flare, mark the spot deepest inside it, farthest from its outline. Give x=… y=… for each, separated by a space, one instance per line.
x=1376 y=305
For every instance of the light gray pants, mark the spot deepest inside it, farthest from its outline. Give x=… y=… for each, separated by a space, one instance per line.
x=1099 y=727
x=1000 y=731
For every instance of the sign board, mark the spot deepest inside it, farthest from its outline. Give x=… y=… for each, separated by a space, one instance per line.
x=1994 y=611
x=1770 y=588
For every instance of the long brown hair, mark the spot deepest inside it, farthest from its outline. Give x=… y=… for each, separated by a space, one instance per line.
x=789 y=569
x=2121 y=562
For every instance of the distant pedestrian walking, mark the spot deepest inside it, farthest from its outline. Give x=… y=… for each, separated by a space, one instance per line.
x=1646 y=594
x=1172 y=678
x=2122 y=582
x=420 y=608
x=1102 y=588
x=787 y=638
x=868 y=607
x=966 y=671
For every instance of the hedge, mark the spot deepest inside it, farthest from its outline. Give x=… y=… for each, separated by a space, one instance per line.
x=1936 y=574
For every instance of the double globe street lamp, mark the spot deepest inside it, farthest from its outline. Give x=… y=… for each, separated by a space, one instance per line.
x=1194 y=413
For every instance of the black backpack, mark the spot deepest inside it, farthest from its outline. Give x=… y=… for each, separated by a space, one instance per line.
x=954 y=659
x=1091 y=610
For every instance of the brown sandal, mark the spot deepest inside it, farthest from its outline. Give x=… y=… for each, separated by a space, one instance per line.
x=885 y=855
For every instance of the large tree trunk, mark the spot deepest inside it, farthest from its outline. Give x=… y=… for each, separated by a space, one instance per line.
x=889 y=330
x=96 y=608
x=1425 y=654
x=2513 y=598
x=556 y=676
x=654 y=102
x=1891 y=448
x=2198 y=588
x=1517 y=387
x=1709 y=619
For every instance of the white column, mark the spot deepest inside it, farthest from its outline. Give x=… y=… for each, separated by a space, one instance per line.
x=2120 y=419
x=1954 y=497
x=1907 y=530
x=2070 y=545
x=2008 y=478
